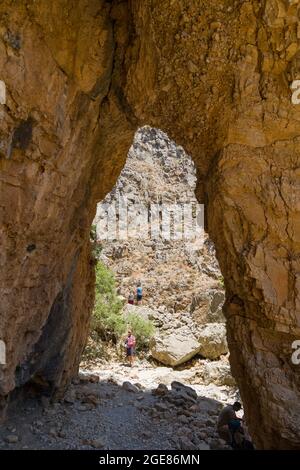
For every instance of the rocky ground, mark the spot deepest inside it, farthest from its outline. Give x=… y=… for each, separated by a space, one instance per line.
x=117 y=407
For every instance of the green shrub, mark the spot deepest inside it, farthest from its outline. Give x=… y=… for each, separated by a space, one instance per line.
x=108 y=321
x=142 y=329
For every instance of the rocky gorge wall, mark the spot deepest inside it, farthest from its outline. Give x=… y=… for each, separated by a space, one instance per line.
x=57 y=64
x=80 y=77
x=176 y=266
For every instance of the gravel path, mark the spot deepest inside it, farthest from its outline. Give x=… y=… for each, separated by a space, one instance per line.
x=106 y=413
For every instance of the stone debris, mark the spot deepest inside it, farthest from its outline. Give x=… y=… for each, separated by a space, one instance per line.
x=175 y=414
x=12 y=439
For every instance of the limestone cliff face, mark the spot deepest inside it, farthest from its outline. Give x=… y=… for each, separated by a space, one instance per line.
x=178 y=269
x=80 y=78
x=176 y=264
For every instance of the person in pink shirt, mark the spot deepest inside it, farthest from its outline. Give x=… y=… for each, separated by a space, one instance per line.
x=130 y=343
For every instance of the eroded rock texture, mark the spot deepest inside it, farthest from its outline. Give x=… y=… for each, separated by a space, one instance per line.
x=178 y=270
x=216 y=76
x=57 y=62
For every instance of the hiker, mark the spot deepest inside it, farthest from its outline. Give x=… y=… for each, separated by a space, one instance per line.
x=228 y=422
x=139 y=294
x=131 y=298
x=130 y=347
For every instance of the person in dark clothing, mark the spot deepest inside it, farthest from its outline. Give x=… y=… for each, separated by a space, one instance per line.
x=231 y=430
x=227 y=415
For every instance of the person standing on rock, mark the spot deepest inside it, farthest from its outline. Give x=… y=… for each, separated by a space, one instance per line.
x=130 y=343
x=139 y=293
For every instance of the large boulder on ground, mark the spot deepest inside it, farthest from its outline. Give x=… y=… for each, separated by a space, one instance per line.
x=129 y=387
x=212 y=340
x=174 y=348
x=182 y=389
x=161 y=390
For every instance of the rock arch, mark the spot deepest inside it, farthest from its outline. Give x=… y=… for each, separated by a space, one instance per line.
x=80 y=77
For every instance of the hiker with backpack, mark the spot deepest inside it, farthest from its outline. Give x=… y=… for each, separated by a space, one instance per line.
x=130 y=343
x=139 y=293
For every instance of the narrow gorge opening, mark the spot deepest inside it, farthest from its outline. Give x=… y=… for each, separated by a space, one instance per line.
x=181 y=372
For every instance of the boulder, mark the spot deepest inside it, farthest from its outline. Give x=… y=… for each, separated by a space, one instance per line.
x=174 y=348
x=212 y=340
x=161 y=390
x=145 y=312
x=129 y=387
x=183 y=389
x=216 y=372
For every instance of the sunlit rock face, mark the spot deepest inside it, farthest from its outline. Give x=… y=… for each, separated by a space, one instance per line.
x=80 y=77
x=57 y=110
x=150 y=228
